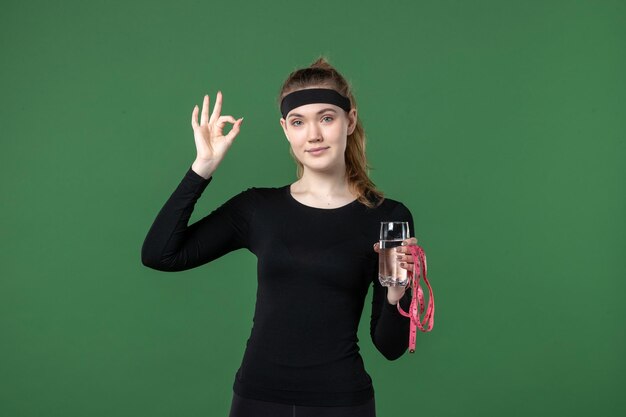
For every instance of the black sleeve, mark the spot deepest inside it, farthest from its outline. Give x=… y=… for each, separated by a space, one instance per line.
x=388 y=328
x=172 y=245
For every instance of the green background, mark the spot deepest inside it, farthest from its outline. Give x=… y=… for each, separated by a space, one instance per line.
x=500 y=124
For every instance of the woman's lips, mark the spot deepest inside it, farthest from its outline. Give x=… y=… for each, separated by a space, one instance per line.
x=317 y=151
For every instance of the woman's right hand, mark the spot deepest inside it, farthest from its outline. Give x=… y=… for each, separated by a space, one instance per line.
x=211 y=143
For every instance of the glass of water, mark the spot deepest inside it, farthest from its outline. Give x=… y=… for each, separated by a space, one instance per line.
x=390 y=273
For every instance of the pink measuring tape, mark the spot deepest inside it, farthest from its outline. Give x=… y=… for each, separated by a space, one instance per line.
x=419 y=262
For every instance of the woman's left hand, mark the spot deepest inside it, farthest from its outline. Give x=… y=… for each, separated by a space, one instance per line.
x=406 y=261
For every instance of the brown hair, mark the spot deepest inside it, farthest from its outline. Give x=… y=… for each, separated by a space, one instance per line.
x=321 y=74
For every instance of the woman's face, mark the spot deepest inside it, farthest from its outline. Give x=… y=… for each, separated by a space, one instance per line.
x=318 y=134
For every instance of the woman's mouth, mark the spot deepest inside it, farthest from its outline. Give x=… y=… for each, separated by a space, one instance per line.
x=317 y=151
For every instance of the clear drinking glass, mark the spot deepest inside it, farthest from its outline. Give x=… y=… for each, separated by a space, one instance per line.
x=390 y=274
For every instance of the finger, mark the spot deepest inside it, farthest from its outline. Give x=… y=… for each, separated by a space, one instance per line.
x=407 y=266
x=217 y=108
x=204 y=118
x=404 y=258
x=194 y=118
x=377 y=247
x=407 y=242
x=402 y=249
x=234 y=131
x=221 y=121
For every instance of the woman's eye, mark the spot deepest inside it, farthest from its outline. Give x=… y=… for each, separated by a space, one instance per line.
x=300 y=121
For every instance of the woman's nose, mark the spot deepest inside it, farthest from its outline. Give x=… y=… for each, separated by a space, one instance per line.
x=315 y=135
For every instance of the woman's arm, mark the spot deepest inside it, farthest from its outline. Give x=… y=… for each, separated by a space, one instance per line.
x=389 y=329
x=172 y=245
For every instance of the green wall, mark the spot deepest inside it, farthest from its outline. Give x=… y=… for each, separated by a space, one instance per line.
x=500 y=124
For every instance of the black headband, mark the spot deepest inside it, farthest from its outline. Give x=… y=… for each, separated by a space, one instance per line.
x=313 y=95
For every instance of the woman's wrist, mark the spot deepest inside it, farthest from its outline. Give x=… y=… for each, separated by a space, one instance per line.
x=394 y=294
x=203 y=168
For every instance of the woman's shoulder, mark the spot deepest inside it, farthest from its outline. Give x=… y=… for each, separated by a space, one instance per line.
x=263 y=192
x=390 y=208
x=253 y=199
x=266 y=190
x=386 y=203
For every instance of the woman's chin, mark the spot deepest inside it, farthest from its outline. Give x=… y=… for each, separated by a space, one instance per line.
x=322 y=166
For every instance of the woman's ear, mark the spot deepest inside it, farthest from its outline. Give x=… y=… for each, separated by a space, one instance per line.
x=284 y=126
x=352 y=118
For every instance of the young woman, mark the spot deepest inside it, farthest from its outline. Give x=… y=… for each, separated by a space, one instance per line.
x=314 y=241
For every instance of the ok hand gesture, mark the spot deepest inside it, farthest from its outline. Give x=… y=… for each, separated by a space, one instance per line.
x=211 y=143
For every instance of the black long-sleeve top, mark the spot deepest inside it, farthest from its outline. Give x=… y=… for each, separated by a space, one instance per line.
x=314 y=269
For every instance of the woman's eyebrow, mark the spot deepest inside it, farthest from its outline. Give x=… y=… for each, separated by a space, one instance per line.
x=321 y=111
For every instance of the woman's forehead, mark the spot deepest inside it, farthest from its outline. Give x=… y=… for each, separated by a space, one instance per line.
x=313 y=109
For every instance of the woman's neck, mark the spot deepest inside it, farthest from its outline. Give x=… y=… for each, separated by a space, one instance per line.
x=323 y=189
